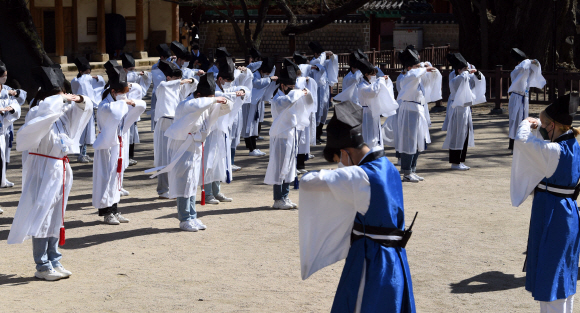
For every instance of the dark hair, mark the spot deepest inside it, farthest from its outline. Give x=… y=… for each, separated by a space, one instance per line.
x=195 y=47
x=43 y=94
x=108 y=91
x=373 y=72
x=329 y=154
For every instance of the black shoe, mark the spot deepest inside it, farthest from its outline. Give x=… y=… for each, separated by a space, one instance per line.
x=321 y=140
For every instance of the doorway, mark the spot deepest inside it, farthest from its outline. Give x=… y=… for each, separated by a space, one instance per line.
x=49 y=31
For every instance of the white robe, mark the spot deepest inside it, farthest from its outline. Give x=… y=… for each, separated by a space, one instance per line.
x=307 y=137
x=143 y=80
x=290 y=113
x=157 y=78
x=524 y=76
x=114 y=119
x=241 y=80
x=376 y=99
x=52 y=128
x=6 y=121
x=262 y=90
x=21 y=99
x=87 y=86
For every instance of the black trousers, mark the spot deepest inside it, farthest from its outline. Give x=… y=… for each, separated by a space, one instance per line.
x=251 y=143
x=131 y=151
x=301 y=158
x=511 y=145
x=319 y=130
x=458 y=156
x=107 y=211
x=259 y=127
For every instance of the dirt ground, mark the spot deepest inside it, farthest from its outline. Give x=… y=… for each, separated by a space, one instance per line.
x=466 y=254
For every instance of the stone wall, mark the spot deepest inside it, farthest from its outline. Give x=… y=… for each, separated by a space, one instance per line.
x=336 y=37
x=439 y=34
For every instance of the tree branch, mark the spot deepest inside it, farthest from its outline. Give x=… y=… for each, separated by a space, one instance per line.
x=262 y=12
x=247 y=31
x=292 y=20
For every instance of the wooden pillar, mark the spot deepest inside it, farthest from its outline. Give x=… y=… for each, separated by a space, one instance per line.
x=114 y=6
x=101 y=53
x=59 y=29
x=139 y=41
x=75 y=23
x=174 y=21
x=292 y=43
x=498 y=92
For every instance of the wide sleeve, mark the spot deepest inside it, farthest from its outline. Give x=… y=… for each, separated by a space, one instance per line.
x=536 y=79
x=186 y=89
x=432 y=84
x=31 y=133
x=331 y=66
x=254 y=66
x=479 y=89
x=379 y=97
x=329 y=201
x=9 y=118
x=21 y=97
x=109 y=117
x=133 y=115
x=463 y=94
x=187 y=113
x=533 y=160
x=78 y=115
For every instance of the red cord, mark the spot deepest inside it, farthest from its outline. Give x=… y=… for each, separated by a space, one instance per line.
x=202 y=176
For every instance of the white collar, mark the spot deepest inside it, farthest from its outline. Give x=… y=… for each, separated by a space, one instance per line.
x=373 y=149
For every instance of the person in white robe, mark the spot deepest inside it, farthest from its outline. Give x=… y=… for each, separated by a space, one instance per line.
x=413 y=122
x=220 y=53
x=527 y=74
x=263 y=86
x=52 y=130
x=143 y=79
x=13 y=98
x=157 y=77
x=195 y=116
x=290 y=112
x=90 y=86
x=169 y=93
x=243 y=78
x=467 y=88
x=115 y=115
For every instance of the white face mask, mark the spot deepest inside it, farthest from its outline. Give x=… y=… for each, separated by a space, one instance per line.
x=3 y=80
x=226 y=85
x=373 y=79
x=340 y=164
x=122 y=96
x=185 y=64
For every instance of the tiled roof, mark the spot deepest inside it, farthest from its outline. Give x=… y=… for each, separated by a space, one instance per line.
x=435 y=18
x=397 y=5
x=282 y=19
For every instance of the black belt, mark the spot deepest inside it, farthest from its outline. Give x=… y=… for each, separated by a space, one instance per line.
x=167 y=117
x=374 y=233
x=559 y=191
x=519 y=94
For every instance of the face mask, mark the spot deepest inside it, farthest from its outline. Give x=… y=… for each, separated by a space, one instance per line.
x=544 y=132
x=373 y=79
x=122 y=96
x=226 y=85
x=287 y=91
x=185 y=64
x=3 y=80
x=340 y=164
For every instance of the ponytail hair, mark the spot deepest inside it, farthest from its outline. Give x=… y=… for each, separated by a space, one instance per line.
x=43 y=94
x=108 y=89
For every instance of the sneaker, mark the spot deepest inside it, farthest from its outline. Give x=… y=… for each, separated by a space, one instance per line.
x=256 y=152
x=63 y=271
x=260 y=138
x=188 y=226
x=1 y=211
x=121 y=218
x=399 y=162
x=294 y=205
x=310 y=156
x=321 y=140
x=211 y=200
x=123 y=192
x=132 y=162
x=260 y=152
x=50 y=275
x=199 y=224
x=90 y=159
x=164 y=195
x=418 y=177
x=235 y=168
x=465 y=166
x=83 y=159
x=282 y=205
x=410 y=178
x=222 y=198
x=111 y=219
x=459 y=167
x=301 y=171
x=8 y=184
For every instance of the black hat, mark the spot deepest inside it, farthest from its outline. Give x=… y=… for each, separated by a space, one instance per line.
x=117 y=75
x=299 y=58
x=227 y=69
x=344 y=129
x=163 y=50
x=412 y=47
x=365 y=66
x=315 y=47
x=362 y=55
x=222 y=52
x=170 y=69
x=288 y=73
x=2 y=68
x=456 y=60
x=518 y=54
x=354 y=59
x=49 y=78
x=409 y=57
x=178 y=49
x=267 y=64
x=255 y=53
x=564 y=109
x=206 y=85
x=128 y=61
x=82 y=64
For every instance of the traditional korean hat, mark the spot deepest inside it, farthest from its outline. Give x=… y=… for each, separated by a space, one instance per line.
x=255 y=53
x=49 y=78
x=315 y=47
x=178 y=49
x=564 y=109
x=456 y=60
x=116 y=74
x=227 y=68
x=206 y=86
x=518 y=54
x=163 y=50
x=127 y=60
x=82 y=64
x=412 y=47
x=362 y=55
x=365 y=66
x=170 y=69
x=222 y=52
x=344 y=129
x=409 y=57
x=299 y=58
x=288 y=73
x=2 y=68
x=354 y=59
x=267 y=64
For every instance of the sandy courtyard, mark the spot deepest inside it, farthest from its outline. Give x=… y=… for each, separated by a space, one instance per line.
x=466 y=253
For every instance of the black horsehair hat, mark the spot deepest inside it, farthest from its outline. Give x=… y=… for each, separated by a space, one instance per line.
x=116 y=74
x=127 y=61
x=288 y=73
x=409 y=57
x=170 y=69
x=227 y=68
x=344 y=129
x=222 y=52
x=178 y=49
x=518 y=54
x=299 y=58
x=206 y=86
x=267 y=64
x=163 y=50
x=255 y=53
x=49 y=78
x=456 y=60
x=315 y=47
x=365 y=66
x=82 y=64
x=564 y=109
